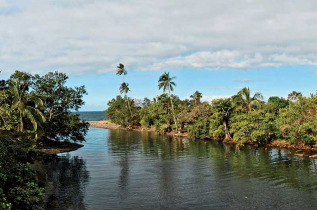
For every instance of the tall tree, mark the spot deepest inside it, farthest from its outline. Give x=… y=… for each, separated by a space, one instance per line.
x=7 y=115
x=196 y=97
x=121 y=71
x=165 y=82
x=124 y=88
x=294 y=96
x=245 y=99
x=26 y=105
x=60 y=101
x=222 y=108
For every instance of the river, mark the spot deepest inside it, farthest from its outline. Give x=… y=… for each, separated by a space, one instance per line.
x=119 y=169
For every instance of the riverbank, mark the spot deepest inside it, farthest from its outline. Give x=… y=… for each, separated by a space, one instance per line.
x=301 y=150
x=54 y=147
x=107 y=124
x=104 y=124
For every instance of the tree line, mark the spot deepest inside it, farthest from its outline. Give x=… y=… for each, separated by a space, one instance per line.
x=34 y=110
x=245 y=117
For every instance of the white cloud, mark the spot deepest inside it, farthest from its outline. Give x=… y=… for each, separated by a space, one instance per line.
x=210 y=98
x=81 y=36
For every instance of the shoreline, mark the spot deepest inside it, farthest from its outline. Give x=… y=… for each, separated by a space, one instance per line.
x=300 y=150
x=107 y=124
x=54 y=148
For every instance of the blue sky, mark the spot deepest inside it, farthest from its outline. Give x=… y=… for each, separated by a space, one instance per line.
x=278 y=81
x=215 y=47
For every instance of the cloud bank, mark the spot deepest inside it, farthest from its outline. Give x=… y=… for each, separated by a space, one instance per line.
x=92 y=37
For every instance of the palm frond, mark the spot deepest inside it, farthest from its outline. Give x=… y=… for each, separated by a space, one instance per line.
x=30 y=116
x=258 y=96
x=38 y=101
x=38 y=113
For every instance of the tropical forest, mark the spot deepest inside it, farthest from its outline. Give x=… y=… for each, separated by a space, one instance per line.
x=35 y=112
x=244 y=118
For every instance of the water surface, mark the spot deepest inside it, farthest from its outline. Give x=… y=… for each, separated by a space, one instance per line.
x=92 y=115
x=138 y=170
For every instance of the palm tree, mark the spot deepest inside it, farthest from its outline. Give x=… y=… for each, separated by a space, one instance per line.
x=244 y=98
x=196 y=97
x=124 y=88
x=223 y=106
x=22 y=104
x=165 y=82
x=121 y=71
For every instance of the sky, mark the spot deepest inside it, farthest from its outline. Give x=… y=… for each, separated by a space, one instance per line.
x=213 y=46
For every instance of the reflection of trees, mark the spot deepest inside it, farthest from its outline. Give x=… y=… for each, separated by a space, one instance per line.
x=121 y=143
x=272 y=165
x=245 y=162
x=65 y=178
x=124 y=176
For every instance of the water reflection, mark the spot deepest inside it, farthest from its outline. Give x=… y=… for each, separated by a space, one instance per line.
x=145 y=171
x=224 y=162
x=244 y=162
x=66 y=178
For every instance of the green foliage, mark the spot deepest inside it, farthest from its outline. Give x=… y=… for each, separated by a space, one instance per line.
x=199 y=129
x=166 y=82
x=221 y=111
x=8 y=118
x=244 y=117
x=244 y=101
x=33 y=107
x=198 y=120
x=196 y=97
x=122 y=113
x=41 y=106
x=216 y=129
x=158 y=114
x=145 y=116
x=28 y=106
x=298 y=121
x=26 y=196
x=18 y=183
x=255 y=126
x=275 y=103
x=294 y=96
x=59 y=101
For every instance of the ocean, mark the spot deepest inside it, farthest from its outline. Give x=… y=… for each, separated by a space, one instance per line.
x=92 y=115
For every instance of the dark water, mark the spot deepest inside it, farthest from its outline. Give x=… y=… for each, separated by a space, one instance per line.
x=134 y=170
x=92 y=115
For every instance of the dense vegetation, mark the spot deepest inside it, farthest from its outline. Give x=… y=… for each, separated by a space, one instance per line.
x=243 y=118
x=34 y=110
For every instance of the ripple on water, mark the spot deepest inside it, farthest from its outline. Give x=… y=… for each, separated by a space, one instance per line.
x=136 y=170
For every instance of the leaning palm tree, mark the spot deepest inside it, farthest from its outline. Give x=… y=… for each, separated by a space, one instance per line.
x=21 y=103
x=124 y=88
x=121 y=71
x=245 y=99
x=165 y=82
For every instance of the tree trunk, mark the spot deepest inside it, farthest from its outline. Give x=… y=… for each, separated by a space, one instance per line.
x=173 y=112
x=21 y=122
x=226 y=130
x=129 y=106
